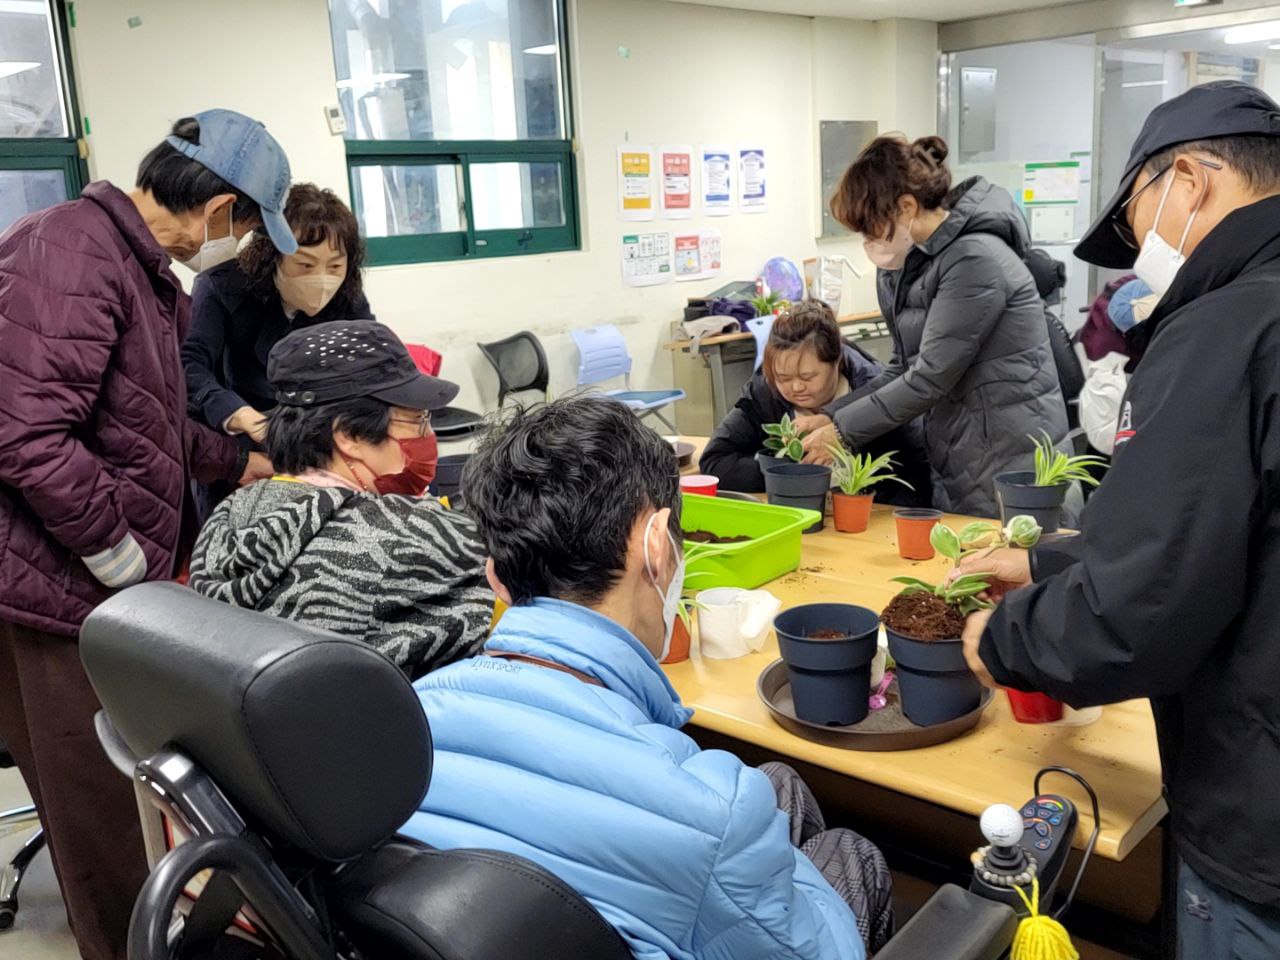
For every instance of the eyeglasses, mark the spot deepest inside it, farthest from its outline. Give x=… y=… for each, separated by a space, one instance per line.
x=423 y=423
x=1120 y=219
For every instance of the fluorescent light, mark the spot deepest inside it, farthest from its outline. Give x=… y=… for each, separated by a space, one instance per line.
x=1144 y=83
x=10 y=67
x=372 y=80
x=1253 y=33
x=1274 y=46
x=546 y=50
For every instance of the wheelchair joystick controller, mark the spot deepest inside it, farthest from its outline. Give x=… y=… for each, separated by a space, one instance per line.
x=1024 y=844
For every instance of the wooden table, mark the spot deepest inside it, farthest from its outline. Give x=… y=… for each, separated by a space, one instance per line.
x=995 y=763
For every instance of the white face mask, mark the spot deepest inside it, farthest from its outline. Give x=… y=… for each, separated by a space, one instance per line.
x=891 y=254
x=1158 y=263
x=212 y=252
x=310 y=294
x=671 y=596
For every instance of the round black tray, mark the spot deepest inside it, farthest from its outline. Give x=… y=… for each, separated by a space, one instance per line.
x=886 y=729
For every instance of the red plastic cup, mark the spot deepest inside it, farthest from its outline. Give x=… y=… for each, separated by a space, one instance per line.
x=700 y=483
x=1034 y=707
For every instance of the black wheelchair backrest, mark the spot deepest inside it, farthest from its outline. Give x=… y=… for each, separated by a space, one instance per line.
x=319 y=741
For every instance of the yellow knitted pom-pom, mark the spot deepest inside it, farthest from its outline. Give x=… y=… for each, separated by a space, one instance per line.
x=1040 y=937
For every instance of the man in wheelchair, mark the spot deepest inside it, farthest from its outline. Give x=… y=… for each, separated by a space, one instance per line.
x=561 y=742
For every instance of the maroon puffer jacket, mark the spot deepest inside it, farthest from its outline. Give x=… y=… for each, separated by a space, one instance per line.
x=94 y=438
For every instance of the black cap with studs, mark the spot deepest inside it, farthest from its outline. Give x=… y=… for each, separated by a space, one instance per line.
x=351 y=358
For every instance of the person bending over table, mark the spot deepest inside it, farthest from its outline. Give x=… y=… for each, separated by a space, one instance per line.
x=1170 y=590
x=971 y=350
x=808 y=373
x=342 y=537
x=562 y=742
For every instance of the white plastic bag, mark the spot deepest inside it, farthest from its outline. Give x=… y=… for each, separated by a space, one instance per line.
x=1100 y=399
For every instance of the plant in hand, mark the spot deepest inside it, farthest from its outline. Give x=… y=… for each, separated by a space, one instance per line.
x=1021 y=531
x=1053 y=467
x=855 y=474
x=783 y=439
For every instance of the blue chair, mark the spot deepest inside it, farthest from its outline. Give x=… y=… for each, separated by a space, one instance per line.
x=760 y=328
x=602 y=355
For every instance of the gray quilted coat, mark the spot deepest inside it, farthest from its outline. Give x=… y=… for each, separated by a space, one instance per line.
x=971 y=352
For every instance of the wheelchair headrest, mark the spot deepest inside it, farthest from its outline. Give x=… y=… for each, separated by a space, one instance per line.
x=318 y=740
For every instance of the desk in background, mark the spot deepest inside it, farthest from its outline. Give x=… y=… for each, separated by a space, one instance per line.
x=712 y=377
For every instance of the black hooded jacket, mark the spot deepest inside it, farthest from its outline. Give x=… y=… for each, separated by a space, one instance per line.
x=1172 y=590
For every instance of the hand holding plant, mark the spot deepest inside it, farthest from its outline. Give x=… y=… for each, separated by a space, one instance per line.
x=784 y=439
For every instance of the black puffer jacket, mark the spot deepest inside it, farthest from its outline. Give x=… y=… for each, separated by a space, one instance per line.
x=730 y=455
x=971 y=352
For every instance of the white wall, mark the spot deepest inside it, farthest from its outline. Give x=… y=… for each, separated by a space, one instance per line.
x=695 y=74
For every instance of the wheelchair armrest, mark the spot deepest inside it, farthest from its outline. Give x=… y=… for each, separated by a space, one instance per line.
x=955 y=925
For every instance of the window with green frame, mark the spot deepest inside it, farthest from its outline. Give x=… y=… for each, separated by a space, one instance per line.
x=40 y=159
x=458 y=133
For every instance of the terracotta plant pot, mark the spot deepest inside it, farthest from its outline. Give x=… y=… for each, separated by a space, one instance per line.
x=1018 y=495
x=852 y=512
x=679 y=650
x=1034 y=707
x=830 y=676
x=914 y=527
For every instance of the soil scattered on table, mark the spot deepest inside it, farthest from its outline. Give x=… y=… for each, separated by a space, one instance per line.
x=706 y=536
x=922 y=616
x=828 y=635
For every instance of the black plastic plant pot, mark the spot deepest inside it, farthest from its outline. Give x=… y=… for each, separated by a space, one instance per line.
x=448 y=479
x=768 y=461
x=830 y=678
x=1018 y=495
x=802 y=485
x=935 y=682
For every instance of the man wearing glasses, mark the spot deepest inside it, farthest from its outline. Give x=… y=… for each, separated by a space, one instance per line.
x=342 y=537
x=1170 y=591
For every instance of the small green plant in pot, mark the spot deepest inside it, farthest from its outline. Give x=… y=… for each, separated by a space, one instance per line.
x=686 y=605
x=790 y=483
x=767 y=304
x=925 y=621
x=855 y=475
x=1040 y=493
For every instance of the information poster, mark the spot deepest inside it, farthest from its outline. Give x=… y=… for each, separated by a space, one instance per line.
x=635 y=183
x=1051 y=182
x=676 y=165
x=646 y=259
x=717 y=181
x=751 y=180
x=697 y=254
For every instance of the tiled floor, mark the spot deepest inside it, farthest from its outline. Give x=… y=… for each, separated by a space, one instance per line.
x=41 y=931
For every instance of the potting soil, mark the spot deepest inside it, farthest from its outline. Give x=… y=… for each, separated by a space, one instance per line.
x=706 y=536
x=827 y=635
x=922 y=616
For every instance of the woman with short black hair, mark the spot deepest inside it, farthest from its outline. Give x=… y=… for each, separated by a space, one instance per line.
x=342 y=537
x=243 y=307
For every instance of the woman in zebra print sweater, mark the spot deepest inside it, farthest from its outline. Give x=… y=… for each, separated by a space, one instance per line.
x=341 y=538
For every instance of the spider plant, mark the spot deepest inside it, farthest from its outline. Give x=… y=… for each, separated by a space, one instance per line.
x=767 y=304
x=856 y=473
x=784 y=439
x=1053 y=467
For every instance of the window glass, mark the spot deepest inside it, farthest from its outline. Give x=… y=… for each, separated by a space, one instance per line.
x=31 y=101
x=449 y=69
x=26 y=191
x=407 y=200
x=510 y=196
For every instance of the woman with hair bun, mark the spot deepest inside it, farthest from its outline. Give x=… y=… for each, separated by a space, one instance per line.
x=971 y=348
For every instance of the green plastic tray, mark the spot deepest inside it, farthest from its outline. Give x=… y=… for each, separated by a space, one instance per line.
x=773 y=550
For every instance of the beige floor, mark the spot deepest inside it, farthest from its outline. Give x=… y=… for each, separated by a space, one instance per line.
x=41 y=931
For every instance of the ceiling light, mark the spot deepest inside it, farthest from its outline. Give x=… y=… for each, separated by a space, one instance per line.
x=1274 y=46
x=1253 y=33
x=10 y=67
x=546 y=50
x=1144 y=83
x=372 y=80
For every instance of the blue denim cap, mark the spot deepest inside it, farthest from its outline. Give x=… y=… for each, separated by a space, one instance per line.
x=239 y=150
